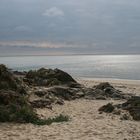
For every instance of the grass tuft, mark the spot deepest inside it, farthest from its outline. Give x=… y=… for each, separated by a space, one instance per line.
x=49 y=121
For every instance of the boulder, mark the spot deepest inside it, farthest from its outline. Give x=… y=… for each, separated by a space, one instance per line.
x=109 y=108
x=103 y=86
x=108 y=91
x=133 y=106
x=94 y=94
x=66 y=93
x=49 y=77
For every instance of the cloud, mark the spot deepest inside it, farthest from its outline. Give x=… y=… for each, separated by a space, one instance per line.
x=28 y=43
x=22 y=28
x=53 y=12
x=39 y=44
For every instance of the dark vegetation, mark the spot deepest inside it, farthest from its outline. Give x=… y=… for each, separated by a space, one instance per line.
x=14 y=104
x=49 y=121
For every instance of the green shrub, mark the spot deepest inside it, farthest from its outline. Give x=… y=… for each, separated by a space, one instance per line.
x=49 y=121
x=25 y=114
x=16 y=113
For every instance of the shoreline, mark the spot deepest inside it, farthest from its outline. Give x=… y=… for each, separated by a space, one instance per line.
x=110 y=80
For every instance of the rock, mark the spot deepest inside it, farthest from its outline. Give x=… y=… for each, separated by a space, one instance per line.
x=44 y=98
x=104 y=86
x=109 y=108
x=125 y=116
x=133 y=106
x=105 y=90
x=40 y=93
x=65 y=93
x=80 y=94
x=93 y=94
x=49 y=77
x=60 y=102
x=46 y=102
x=130 y=107
x=41 y=103
x=100 y=98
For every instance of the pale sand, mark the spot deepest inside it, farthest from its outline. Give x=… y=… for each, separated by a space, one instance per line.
x=86 y=122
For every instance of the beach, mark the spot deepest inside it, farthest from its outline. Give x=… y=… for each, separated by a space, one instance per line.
x=86 y=123
x=70 y=70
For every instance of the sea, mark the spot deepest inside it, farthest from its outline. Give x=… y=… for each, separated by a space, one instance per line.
x=84 y=66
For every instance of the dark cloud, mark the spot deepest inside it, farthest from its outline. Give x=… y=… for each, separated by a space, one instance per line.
x=112 y=25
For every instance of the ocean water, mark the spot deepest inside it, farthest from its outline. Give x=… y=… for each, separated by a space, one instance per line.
x=88 y=66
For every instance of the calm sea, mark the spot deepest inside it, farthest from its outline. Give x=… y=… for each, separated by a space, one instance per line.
x=88 y=66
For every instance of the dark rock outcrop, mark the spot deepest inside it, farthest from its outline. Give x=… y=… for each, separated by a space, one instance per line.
x=66 y=93
x=107 y=108
x=52 y=87
x=104 y=91
x=49 y=77
x=131 y=106
x=54 y=95
x=103 y=86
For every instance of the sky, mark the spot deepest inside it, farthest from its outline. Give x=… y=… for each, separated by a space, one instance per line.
x=41 y=27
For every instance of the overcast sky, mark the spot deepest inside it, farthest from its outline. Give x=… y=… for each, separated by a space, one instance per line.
x=69 y=26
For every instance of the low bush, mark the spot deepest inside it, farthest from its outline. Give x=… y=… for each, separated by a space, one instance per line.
x=49 y=121
x=25 y=114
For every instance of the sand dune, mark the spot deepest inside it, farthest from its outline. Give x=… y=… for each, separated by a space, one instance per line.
x=86 y=123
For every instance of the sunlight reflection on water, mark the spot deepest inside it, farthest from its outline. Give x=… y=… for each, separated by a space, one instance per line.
x=90 y=66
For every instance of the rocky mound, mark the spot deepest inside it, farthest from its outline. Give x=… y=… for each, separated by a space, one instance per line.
x=49 y=77
x=47 y=87
x=42 y=97
x=50 y=87
x=104 y=91
x=131 y=106
x=46 y=97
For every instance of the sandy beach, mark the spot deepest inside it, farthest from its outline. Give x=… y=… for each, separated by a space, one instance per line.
x=86 y=123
